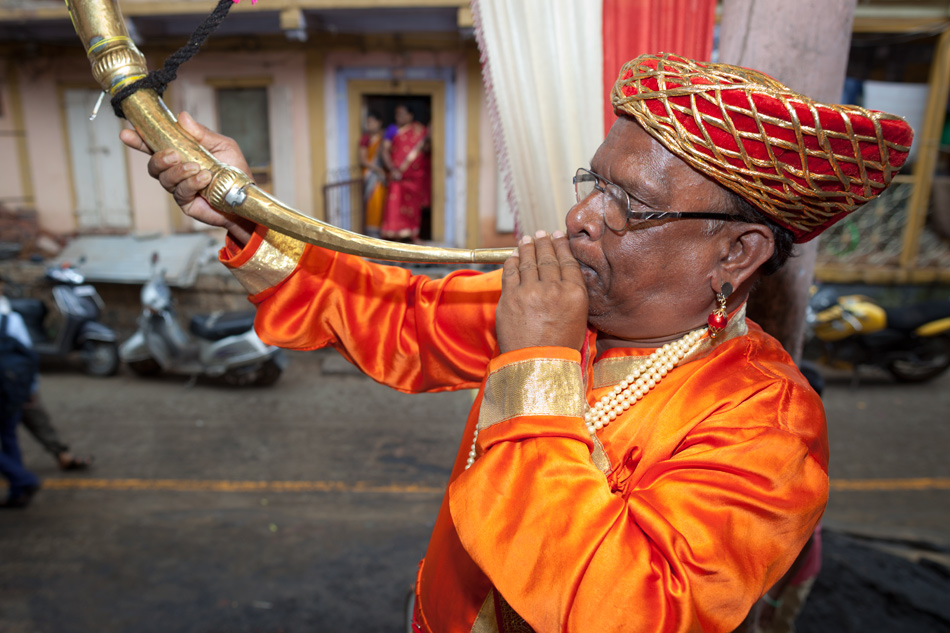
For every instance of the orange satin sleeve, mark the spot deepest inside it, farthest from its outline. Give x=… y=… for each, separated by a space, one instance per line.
x=409 y=332
x=234 y=255
x=688 y=544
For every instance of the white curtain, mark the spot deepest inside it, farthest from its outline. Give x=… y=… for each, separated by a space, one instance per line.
x=542 y=64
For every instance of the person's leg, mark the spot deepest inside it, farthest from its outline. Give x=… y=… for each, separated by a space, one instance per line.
x=36 y=420
x=23 y=483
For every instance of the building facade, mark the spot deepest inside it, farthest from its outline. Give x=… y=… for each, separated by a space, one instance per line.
x=291 y=80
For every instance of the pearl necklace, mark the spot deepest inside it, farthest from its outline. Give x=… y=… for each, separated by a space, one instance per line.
x=631 y=389
x=639 y=382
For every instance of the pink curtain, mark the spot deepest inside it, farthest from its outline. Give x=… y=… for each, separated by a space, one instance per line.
x=634 y=27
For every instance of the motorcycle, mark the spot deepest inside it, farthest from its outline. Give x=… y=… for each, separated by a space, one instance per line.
x=218 y=345
x=912 y=342
x=76 y=328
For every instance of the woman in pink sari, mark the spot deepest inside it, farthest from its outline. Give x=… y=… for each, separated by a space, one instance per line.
x=406 y=153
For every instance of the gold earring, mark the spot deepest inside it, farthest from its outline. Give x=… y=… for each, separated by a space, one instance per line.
x=718 y=319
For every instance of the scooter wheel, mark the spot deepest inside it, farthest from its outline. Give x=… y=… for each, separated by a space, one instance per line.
x=100 y=358
x=265 y=375
x=268 y=374
x=145 y=367
x=930 y=360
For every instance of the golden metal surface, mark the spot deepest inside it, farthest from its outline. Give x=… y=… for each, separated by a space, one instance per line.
x=116 y=62
x=532 y=387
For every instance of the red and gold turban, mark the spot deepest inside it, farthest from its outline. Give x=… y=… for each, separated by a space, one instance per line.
x=804 y=164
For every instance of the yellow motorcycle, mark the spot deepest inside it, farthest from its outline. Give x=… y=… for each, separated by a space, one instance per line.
x=911 y=342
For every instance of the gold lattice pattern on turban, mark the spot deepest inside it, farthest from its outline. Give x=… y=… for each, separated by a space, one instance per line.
x=805 y=164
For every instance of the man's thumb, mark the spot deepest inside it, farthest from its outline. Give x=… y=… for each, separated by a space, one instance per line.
x=190 y=125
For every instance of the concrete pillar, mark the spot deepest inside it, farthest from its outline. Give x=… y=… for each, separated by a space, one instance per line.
x=804 y=44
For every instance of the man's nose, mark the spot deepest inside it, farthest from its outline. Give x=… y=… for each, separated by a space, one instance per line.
x=587 y=218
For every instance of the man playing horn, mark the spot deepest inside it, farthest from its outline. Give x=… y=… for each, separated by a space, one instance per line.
x=640 y=457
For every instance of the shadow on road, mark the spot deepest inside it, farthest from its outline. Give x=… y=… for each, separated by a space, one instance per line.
x=862 y=588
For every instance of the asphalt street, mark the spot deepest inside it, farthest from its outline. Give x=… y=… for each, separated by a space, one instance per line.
x=306 y=506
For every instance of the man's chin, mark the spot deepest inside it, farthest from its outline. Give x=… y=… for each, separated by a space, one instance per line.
x=596 y=310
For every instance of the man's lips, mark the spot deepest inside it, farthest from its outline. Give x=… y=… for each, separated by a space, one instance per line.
x=591 y=278
x=577 y=246
x=585 y=267
x=578 y=256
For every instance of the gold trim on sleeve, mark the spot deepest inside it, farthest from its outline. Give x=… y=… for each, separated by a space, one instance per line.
x=540 y=386
x=599 y=456
x=275 y=258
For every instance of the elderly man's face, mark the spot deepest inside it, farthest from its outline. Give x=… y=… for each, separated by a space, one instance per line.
x=657 y=278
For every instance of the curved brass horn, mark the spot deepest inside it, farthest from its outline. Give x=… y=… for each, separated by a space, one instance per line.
x=117 y=62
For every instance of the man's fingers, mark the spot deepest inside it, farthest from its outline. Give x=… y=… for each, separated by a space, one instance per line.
x=527 y=260
x=570 y=268
x=546 y=259
x=160 y=162
x=510 y=275
x=133 y=140
x=195 y=129
x=170 y=173
x=210 y=139
x=189 y=189
x=203 y=135
x=184 y=181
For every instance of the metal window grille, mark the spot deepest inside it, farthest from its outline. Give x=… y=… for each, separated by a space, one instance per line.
x=343 y=198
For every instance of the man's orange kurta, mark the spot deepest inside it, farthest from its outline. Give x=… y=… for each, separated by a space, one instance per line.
x=679 y=515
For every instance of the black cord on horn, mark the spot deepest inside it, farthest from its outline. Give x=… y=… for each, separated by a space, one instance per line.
x=159 y=78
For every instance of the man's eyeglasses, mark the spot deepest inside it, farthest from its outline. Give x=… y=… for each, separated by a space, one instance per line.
x=616 y=204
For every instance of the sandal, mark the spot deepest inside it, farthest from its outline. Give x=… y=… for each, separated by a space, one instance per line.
x=76 y=463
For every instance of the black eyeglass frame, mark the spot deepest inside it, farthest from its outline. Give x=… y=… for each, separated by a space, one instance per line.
x=643 y=215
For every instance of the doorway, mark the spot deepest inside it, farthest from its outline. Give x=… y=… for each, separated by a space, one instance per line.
x=427 y=99
x=384 y=106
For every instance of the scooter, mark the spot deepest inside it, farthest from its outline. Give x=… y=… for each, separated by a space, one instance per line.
x=76 y=327
x=218 y=345
x=912 y=343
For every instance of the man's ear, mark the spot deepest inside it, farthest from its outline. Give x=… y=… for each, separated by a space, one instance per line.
x=749 y=246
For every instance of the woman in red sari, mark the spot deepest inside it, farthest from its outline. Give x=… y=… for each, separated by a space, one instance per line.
x=406 y=153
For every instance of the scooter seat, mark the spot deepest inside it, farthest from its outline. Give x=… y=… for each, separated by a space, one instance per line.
x=32 y=310
x=219 y=325
x=909 y=318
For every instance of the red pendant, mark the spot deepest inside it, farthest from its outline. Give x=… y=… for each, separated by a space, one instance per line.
x=717 y=321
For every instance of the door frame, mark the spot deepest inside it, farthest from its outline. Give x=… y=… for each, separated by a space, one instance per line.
x=434 y=89
x=340 y=144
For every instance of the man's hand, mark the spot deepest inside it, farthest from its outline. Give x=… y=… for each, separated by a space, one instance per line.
x=543 y=296
x=185 y=181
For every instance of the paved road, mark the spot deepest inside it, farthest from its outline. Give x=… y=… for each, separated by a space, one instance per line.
x=306 y=506
x=889 y=467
